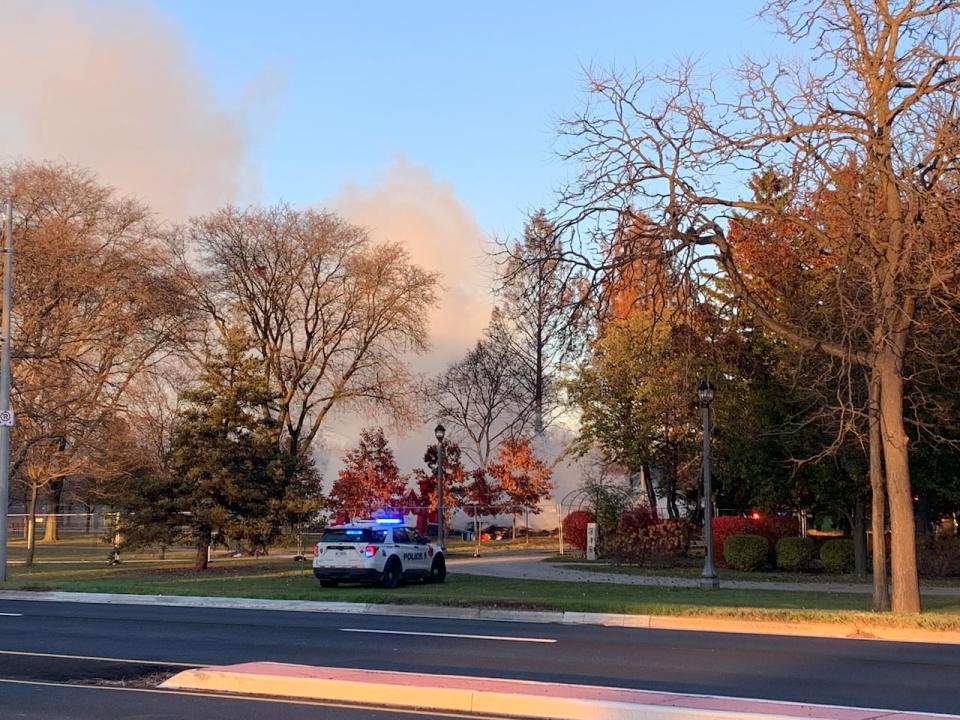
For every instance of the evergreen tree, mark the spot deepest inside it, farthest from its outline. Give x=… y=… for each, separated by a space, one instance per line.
x=226 y=471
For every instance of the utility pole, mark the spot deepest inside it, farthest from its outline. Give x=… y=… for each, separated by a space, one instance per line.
x=7 y=425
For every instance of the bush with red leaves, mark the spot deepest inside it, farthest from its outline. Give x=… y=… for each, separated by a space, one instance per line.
x=772 y=527
x=638 y=519
x=575 y=528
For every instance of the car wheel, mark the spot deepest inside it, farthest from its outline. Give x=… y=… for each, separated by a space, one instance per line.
x=438 y=571
x=391 y=574
x=328 y=583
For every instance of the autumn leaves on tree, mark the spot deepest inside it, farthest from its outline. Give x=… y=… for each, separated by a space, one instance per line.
x=849 y=250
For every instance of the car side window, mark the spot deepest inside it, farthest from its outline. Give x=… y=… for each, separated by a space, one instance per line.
x=400 y=536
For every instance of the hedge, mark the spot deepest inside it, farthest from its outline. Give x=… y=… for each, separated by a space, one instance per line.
x=939 y=555
x=772 y=527
x=746 y=552
x=794 y=553
x=838 y=556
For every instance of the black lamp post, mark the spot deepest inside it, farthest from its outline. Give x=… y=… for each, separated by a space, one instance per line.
x=440 y=431
x=708 y=578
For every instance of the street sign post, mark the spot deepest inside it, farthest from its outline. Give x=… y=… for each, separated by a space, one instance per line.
x=7 y=422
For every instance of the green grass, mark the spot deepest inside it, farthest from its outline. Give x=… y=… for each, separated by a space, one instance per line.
x=282 y=579
x=691 y=568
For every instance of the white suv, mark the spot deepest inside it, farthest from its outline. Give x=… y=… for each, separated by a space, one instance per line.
x=377 y=551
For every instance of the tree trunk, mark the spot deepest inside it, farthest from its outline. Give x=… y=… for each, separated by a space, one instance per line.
x=878 y=510
x=648 y=486
x=514 y=526
x=860 y=536
x=203 y=551
x=538 y=391
x=905 y=597
x=51 y=533
x=31 y=524
x=526 y=522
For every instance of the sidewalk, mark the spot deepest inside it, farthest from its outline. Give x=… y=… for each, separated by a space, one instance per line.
x=530 y=566
x=516 y=698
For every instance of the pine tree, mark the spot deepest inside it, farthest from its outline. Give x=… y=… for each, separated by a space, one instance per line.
x=226 y=471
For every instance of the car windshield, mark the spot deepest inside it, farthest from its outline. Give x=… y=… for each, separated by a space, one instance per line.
x=352 y=535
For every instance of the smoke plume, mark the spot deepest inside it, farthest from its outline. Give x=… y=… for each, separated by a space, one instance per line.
x=112 y=87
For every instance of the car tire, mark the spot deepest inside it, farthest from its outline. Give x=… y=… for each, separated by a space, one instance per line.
x=438 y=571
x=329 y=583
x=391 y=574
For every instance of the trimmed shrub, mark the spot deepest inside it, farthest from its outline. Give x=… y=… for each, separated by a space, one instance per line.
x=641 y=535
x=746 y=552
x=794 y=554
x=638 y=518
x=772 y=527
x=575 y=528
x=838 y=556
x=939 y=556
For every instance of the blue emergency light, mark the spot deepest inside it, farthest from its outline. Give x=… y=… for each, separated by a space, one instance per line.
x=389 y=521
x=354 y=532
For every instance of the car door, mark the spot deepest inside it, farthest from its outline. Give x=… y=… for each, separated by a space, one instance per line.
x=411 y=554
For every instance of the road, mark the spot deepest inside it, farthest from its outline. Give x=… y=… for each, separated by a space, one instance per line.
x=109 y=644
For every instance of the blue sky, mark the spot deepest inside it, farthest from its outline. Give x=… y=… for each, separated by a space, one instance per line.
x=471 y=91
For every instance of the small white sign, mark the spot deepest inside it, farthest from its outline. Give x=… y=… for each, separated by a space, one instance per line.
x=6 y=418
x=592 y=541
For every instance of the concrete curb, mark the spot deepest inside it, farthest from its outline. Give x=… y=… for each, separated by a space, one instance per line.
x=864 y=631
x=490 y=696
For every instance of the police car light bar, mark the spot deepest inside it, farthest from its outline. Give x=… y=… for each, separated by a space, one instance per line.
x=389 y=521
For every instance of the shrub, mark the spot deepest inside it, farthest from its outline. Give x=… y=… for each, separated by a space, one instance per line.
x=669 y=538
x=794 y=554
x=638 y=518
x=575 y=528
x=746 y=552
x=838 y=556
x=772 y=527
x=939 y=556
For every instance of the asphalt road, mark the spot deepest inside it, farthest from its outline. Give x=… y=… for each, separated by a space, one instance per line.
x=153 y=640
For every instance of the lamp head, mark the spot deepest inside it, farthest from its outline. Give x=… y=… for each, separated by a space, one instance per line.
x=706 y=392
x=439 y=431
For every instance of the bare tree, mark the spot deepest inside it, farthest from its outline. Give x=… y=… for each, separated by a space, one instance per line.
x=485 y=395
x=872 y=119
x=94 y=310
x=541 y=303
x=334 y=316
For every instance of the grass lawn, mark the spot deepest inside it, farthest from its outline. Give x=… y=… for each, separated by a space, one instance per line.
x=282 y=579
x=693 y=567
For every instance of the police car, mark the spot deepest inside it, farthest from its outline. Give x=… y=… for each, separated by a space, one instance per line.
x=380 y=551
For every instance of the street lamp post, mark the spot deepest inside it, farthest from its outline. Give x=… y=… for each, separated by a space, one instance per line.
x=440 y=431
x=708 y=578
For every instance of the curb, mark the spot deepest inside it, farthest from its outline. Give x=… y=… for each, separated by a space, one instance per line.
x=489 y=696
x=848 y=631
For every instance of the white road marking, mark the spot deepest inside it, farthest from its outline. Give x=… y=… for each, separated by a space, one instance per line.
x=100 y=659
x=11 y=614
x=503 y=638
